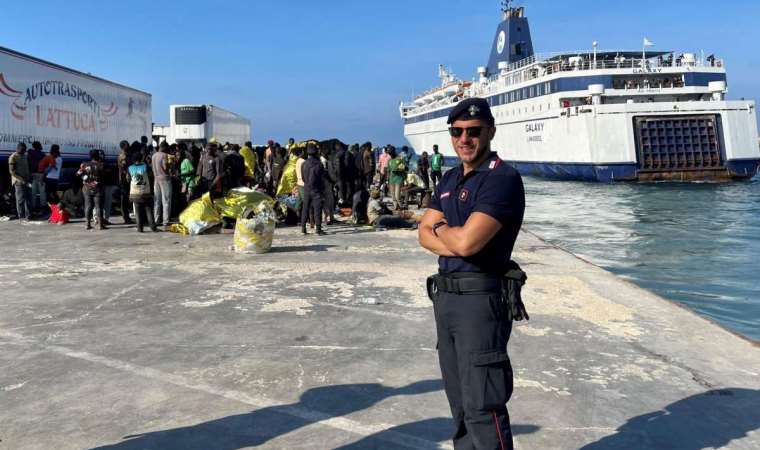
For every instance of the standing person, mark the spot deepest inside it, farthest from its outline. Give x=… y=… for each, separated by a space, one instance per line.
x=472 y=224
x=187 y=177
x=138 y=177
x=329 y=191
x=337 y=167
x=91 y=173
x=314 y=186
x=278 y=165
x=34 y=157
x=423 y=167
x=349 y=174
x=382 y=165
x=21 y=178
x=436 y=166
x=368 y=164
x=234 y=168
x=147 y=148
x=123 y=161
x=407 y=155
x=110 y=181
x=162 y=185
x=298 y=153
x=51 y=166
x=251 y=163
x=357 y=152
x=397 y=174
x=211 y=171
x=268 y=159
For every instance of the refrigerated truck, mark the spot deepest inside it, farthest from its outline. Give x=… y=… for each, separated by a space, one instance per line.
x=200 y=123
x=46 y=102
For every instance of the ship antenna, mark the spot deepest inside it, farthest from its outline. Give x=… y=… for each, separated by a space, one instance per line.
x=505 y=5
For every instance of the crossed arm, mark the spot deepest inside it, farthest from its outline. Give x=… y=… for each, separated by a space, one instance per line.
x=463 y=241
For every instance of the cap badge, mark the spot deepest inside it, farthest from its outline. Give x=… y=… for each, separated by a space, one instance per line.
x=474 y=110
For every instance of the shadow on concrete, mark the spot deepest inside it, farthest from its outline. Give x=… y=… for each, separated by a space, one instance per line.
x=708 y=420
x=434 y=430
x=301 y=248
x=258 y=427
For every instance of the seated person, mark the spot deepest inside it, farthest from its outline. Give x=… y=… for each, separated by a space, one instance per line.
x=359 y=206
x=381 y=217
x=72 y=200
x=415 y=188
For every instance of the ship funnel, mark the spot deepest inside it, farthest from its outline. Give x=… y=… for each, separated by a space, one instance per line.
x=512 y=42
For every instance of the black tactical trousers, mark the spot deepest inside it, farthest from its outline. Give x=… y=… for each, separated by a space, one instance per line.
x=477 y=375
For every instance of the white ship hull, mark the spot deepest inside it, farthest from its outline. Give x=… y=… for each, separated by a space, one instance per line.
x=597 y=142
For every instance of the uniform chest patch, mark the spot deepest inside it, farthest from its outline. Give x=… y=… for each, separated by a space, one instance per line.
x=463 y=195
x=445 y=195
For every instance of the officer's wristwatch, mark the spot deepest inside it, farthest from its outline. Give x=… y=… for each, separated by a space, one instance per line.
x=437 y=226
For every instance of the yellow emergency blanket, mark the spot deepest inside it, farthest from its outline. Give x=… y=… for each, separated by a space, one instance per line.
x=234 y=204
x=203 y=214
x=199 y=216
x=254 y=230
x=289 y=178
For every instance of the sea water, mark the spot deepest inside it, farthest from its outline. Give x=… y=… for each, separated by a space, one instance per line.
x=697 y=243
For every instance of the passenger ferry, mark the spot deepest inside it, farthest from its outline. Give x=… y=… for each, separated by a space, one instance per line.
x=598 y=115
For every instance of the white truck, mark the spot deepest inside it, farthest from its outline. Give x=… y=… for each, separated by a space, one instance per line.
x=201 y=123
x=45 y=102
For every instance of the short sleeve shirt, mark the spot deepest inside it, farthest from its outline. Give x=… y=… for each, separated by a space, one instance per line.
x=496 y=189
x=158 y=160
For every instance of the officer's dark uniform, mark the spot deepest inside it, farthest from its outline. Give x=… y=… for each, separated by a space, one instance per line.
x=472 y=324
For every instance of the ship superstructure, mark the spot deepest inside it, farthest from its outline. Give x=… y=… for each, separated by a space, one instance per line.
x=598 y=115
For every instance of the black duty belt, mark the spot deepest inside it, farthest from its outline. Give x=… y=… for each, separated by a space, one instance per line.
x=467 y=282
x=508 y=285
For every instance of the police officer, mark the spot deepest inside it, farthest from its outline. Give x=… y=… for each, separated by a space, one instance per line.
x=472 y=224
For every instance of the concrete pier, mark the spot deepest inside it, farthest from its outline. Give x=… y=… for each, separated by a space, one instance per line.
x=120 y=340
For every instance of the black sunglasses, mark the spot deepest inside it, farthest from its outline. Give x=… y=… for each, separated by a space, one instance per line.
x=471 y=131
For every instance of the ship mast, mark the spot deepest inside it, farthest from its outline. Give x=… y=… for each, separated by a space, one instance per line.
x=508 y=11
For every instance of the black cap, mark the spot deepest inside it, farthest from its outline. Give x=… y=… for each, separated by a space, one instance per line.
x=471 y=109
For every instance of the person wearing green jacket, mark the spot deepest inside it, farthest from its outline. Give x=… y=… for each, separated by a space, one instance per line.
x=187 y=177
x=397 y=167
x=436 y=166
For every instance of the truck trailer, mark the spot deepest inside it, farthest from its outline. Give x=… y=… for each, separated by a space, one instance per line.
x=201 y=123
x=46 y=102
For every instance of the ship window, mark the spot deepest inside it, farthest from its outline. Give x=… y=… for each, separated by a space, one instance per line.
x=531 y=92
x=548 y=87
x=516 y=49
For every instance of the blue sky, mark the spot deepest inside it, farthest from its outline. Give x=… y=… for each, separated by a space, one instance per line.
x=338 y=68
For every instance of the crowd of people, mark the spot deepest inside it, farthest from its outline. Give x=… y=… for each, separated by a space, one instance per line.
x=154 y=184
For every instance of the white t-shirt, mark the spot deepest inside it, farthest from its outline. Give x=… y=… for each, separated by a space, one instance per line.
x=55 y=171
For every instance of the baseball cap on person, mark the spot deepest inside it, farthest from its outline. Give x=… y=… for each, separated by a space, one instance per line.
x=472 y=109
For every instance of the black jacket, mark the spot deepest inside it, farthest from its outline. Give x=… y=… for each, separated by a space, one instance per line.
x=313 y=174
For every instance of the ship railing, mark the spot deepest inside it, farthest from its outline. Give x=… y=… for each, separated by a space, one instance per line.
x=541 y=65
